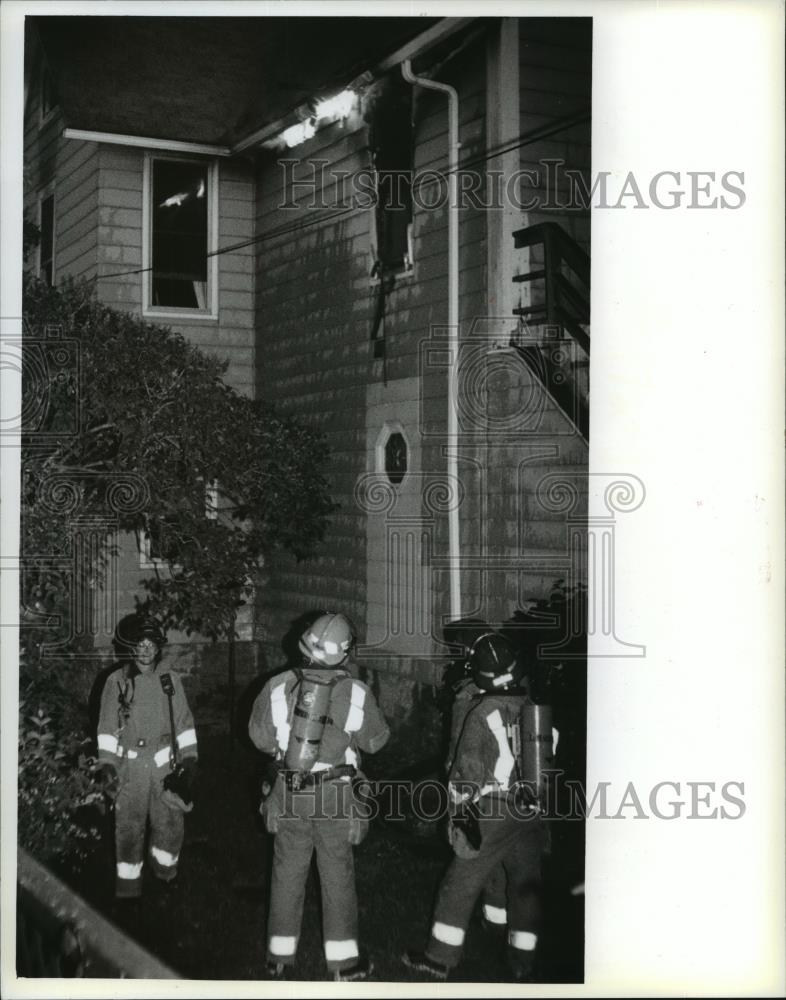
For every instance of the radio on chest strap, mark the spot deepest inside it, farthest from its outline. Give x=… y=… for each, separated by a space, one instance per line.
x=169 y=690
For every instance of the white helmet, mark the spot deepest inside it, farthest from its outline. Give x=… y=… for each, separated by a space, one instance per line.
x=328 y=641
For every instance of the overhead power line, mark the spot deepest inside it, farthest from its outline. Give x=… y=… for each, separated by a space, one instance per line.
x=338 y=211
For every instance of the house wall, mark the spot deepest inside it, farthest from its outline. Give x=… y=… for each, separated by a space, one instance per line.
x=555 y=82
x=530 y=542
x=70 y=171
x=230 y=336
x=295 y=323
x=315 y=309
x=120 y=195
x=315 y=304
x=98 y=192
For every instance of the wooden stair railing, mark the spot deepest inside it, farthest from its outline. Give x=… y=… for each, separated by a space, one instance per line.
x=564 y=310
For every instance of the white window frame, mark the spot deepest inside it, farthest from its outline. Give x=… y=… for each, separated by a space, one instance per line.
x=176 y=312
x=44 y=194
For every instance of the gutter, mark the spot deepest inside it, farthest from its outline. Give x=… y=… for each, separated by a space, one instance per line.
x=454 y=536
x=168 y=145
x=427 y=40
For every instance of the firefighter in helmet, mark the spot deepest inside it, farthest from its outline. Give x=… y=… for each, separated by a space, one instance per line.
x=459 y=695
x=500 y=748
x=314 y=720
x=147 y=752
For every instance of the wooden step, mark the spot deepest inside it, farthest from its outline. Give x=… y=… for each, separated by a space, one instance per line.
x=532 y=276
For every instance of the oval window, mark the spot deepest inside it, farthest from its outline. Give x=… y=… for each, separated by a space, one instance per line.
x=396 y=458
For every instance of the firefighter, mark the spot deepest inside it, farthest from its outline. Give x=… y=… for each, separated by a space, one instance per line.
x=147 y=752
x=495 y=829
x=459 y=695
x=314 y=720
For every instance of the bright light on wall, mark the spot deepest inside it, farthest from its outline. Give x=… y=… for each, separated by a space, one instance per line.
x=339 y=106
x=298 y=133
x=336 y=107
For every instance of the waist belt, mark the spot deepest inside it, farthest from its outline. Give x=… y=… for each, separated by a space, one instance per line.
x=513 y=795
x=296 y=780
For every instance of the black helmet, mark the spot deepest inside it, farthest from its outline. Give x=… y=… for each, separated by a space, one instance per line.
x=493 y=662
x=132 y=629
x=463 y=632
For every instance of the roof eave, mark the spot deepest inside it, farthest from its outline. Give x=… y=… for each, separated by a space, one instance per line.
x=421 y=43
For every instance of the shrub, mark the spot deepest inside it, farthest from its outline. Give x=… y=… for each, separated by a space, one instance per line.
x=56 y=786
x=155 y=413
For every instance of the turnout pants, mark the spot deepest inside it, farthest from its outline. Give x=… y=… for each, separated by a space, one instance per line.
x=511 y=846
x=494 y=896
x=315 y=819
x=138 y=800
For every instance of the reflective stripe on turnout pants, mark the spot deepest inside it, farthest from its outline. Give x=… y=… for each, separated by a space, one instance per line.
x=314 y=819
x=139 y=798
x=512 y=844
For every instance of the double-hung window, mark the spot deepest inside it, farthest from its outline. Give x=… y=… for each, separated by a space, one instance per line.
x=179 y=238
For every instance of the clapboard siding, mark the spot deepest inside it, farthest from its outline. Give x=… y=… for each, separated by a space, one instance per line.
x=119 y=216
x=67 y=168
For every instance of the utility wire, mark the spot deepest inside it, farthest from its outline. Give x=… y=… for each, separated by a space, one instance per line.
x=534 y=135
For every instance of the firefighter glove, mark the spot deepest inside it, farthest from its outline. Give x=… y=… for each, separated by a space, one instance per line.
x=460 y=843
x=178 y=786
x=107 y=782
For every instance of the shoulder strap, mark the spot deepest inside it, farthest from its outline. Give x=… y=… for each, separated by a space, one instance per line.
x=333 y=681
x=474 y=702
x=124 y=682
x=169 y=690
x=292 y=696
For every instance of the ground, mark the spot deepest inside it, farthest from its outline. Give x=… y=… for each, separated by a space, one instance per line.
x=211 y=924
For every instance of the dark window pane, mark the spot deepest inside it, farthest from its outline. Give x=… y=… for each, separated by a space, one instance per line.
x=162 y=541
x=180 y=234
x=392 y=143
x=395 y=214
x=396 y=458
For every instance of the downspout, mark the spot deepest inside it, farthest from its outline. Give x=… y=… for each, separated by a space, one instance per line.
x=454 y=537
